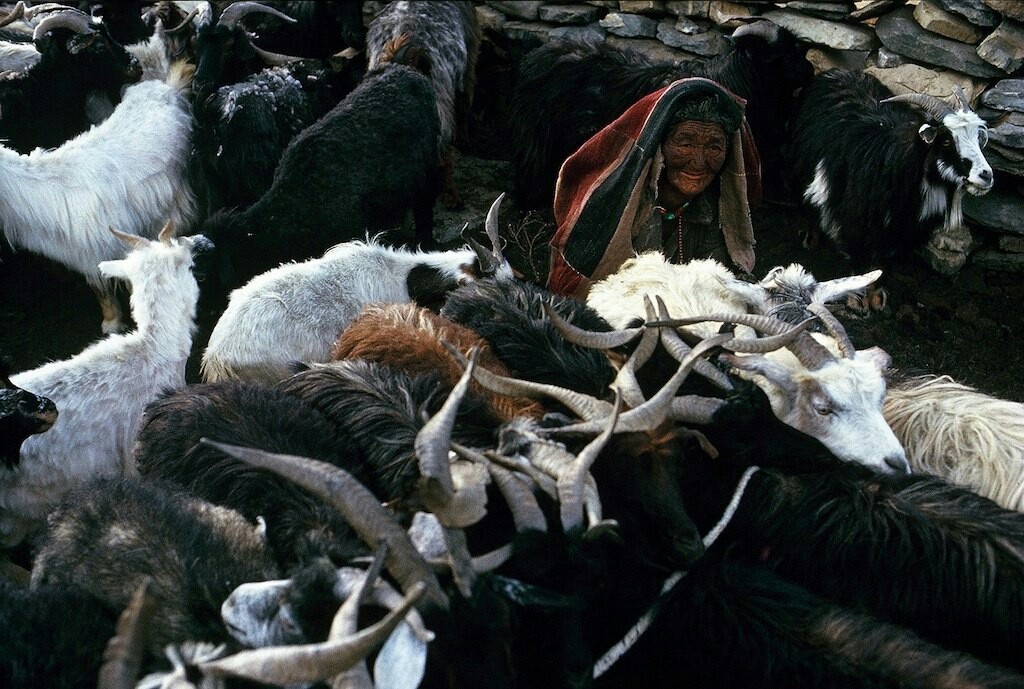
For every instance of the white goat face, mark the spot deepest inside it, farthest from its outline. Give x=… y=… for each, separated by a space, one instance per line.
x=258 y=615
x=840 y=404
x=968 y=167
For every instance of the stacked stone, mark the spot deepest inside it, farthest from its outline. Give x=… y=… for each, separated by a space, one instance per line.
x=921 y=46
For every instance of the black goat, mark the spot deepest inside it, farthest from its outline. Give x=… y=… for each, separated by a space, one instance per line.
x=360 y=167
x=243 y=129
x=21 y=414
x=566 y=91
x=52 y=636
x=125 y=20
x=881 y=175
x=46 y=105
x=299 y=526
x=111 y=534
x=320 y=29
x=509 y=315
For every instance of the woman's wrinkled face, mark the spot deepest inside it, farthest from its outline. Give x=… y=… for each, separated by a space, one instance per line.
x=694 y=155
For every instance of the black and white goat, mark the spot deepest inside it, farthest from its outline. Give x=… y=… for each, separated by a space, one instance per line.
x=296 y=311
x=566 y=91
x=128 y=172
x=881 y=175
x=361 y=166
x=448 y=34
x=49 y=102
x=102 y=391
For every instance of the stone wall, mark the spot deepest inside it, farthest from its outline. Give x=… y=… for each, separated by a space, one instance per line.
x=923 y=46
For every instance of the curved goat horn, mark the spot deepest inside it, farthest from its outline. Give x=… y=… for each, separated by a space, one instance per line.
x=935 y=107
x=571 y=482
x=235 y=12
x=200 y=7
x=42 y=8
x=764 y=28
x=834 y=328
x=122 y=658
x=357 y=506
x=763 y=345
x=491 y=228
x=70 y=19
x=14 y=15
x=584 y=406
x=961 y=98
x=274 y=59
x=588 y=338
x=678 y=349
x=284 y=665
x=490 y=259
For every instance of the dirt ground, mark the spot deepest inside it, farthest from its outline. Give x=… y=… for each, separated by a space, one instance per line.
x=968 y=326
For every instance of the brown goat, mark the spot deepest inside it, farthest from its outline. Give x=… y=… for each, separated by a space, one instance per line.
x=409 y=338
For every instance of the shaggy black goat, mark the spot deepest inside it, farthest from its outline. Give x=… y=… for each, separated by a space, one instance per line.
x=508 y=314
x=21 y=414
x=882 y=175
x=299 y=526
x=46 y=105
x=243 y=129
x=52 y=636
x=566 y=91
x=111 y=534
x=361 y=166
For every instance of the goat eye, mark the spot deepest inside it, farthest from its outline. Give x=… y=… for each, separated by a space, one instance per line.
x=823 y=410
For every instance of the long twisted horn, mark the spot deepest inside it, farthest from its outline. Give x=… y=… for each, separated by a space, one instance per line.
x=588 y=338
x=834 y=328
x=935 y=107
x=14 y=15
x=274 y=59
x=203 y=9
x=625 y=380
x=357 y=506
x=571 y=482
x=235 y=12
x=961 y=97
x=122 y=658
x=70 y=19
x=678 y=349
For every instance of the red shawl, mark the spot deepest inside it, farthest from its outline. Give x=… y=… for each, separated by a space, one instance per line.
x=600 y=188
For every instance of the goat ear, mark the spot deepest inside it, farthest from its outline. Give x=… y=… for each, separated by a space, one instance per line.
x=113 y=269
x=877 y=356
x=928 y=133
x=779 y=378
x=831 y=290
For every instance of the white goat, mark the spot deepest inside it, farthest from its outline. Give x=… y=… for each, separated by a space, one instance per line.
x=963 y=435
x=128 y=172
x=296 y=311
x=837 y=399
x=102 y=391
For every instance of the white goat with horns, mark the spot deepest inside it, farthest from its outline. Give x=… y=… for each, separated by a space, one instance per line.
x=102 y=391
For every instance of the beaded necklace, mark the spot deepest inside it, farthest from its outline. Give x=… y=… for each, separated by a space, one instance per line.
x=676 y=215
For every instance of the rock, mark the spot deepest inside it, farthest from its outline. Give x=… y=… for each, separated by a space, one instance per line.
x=1004 y=47
x=527 y=31
x=820 y=9
x=899 y=32
x=729 y=15
x=998 y=210
x=997 y=260
x=609 y=4
x=947 y=250
x=1008 y=135
x=479 y=182
x=490 y=19
x=630 y=25
x=707 y=43
x=887 y=59
x=653 y=49
x=968 y=312
x=642 y=6
x=1007 y=94
x=687 y=26
x=937 y=20
x=1009 y=160
x=912 y=78
x=1015 y=245
x=974 y=11
x=688 y=8
x=591 y=33
x=832 y=34
x=569 y=14
x=1014 y=9
x=522 y=9
x=826 y=58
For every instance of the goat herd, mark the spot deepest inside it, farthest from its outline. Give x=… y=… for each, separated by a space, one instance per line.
x=414 y=468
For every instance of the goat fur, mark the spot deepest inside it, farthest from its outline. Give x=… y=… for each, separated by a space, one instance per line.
x=102 y=391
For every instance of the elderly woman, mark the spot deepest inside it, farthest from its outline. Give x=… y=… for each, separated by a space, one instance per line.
x=677 y=172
